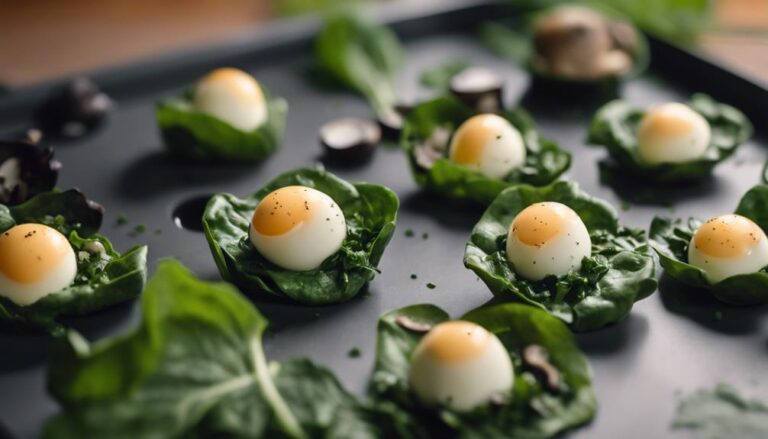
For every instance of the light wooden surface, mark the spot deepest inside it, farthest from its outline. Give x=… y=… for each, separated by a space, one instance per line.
x=43 y=39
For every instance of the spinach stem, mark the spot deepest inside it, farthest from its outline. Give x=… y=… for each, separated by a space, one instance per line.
x=283 y=413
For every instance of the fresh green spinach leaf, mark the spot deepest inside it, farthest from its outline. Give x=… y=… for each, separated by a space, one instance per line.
x=533 y=411
x=721 y=412
x=361 y=55
x=195 y=367
x=619 y=272
x=671 y=238
x=438 y=78
x=104 y=278
x=615 y=126
x=201 y=136
x=370 y=211
x=426 y=136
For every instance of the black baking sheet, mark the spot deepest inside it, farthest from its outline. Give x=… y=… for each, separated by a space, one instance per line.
x=669 y=345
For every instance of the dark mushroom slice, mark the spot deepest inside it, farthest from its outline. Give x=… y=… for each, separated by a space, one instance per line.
x=479 y=88
x=536 y=360
x=74 y=109
x=433 y=148
x=391 y=120
x=26 y=169
x=350 y=140
x=580 y=44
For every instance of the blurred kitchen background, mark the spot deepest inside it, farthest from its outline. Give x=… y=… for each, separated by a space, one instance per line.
x=44 y=39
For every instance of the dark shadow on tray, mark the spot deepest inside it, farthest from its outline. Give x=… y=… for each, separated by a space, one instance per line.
x=104 y=322
x=701 y=307
x=565 y=101
x=334 y=164
x=638 y=191
x=23 y=350
x=5 y=433
x=161 y=171
x=614 y=339
x=449 y=213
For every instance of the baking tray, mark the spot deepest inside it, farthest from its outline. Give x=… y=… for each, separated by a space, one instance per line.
x=670 y=344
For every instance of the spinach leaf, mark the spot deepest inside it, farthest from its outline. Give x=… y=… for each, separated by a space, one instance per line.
x=619 y=272
x=721 y=412
x=533 y=411
x=26 y=169
x=370 y=211
x=671 y=238
x=103 y=278
x=201 y=136
x=361 y=55
x=195 y=367
x=438 y=78
x=615 y=125
x=426 y=136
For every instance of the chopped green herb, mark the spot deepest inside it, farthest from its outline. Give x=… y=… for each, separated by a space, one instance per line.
x=413 y=276
x=425 y=235
x=409 y=233
x=431 y=286
x=625 y=206
x=138 y=230
x=354 y=353
x=158 y=231
x=121 y=220
x=718 y=315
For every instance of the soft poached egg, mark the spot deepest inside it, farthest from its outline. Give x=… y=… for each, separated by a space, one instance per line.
x=35 y=260
x=233 y=96
x=545 y=239
x=672 y=133
x=460 y=365
x=489 y=144
x=728 y=245
x=297 y=227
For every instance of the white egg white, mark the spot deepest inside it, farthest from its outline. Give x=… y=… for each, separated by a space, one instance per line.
x=232 y=96
x=503 y=149
x=462 y=385
x=672 y=133
x=308 y=243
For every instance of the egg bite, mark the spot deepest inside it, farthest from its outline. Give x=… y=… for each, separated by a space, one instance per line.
x=460 y=365
x=233 y=96
x=297 y=227
x=672 y=133
x=489 y=144
x=546 y=239
x=35 y=260
x=728 y=245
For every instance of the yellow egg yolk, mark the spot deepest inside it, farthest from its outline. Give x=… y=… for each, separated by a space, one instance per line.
x=727 y=236
x=473 y=135
x=456 y=341
x=28 y=252
x=540 y=222
x=237 y=83
x=283 y=209
x=665 y=122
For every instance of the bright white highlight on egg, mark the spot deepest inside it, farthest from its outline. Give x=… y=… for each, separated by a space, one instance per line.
x=728 y=245
x=232 y=96
x=460 y=365
x=489 y=144
x=297 y=228
x=671 y=133
x=547 y=239
x=35 y=260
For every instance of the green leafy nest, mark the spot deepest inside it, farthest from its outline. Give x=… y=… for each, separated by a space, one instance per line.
x=615 y=125
x=619 y=272
x=101 y=281
x=195 y=367
x=671 y=238
x=533 y=411
x=360 y=54
x=544 y=161
x=370 y=211
x=201 y=136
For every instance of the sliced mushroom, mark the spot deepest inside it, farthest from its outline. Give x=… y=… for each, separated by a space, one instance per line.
x=412 y=325
x=536 y=360
x=26 y=169
x=74 y=109
x=391 y=121
x=479 y=88
x=432 y=149
x=581 y=44
x=350 y=140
